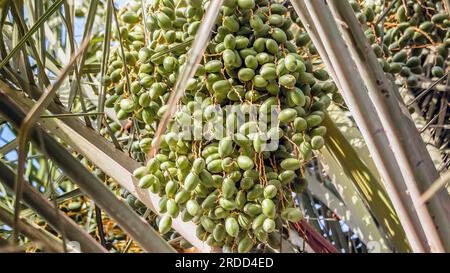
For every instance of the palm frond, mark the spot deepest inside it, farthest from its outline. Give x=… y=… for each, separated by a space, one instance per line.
x=31 y=31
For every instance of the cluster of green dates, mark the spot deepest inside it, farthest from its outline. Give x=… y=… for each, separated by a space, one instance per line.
x=416 y=37
x=238 y=194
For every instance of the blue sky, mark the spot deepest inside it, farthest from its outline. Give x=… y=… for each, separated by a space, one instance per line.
x=6 y=135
